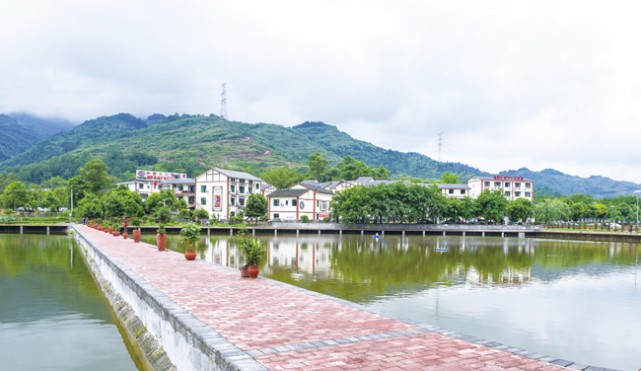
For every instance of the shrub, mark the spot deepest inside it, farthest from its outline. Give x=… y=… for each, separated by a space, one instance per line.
x=304 y=218
x=326 y=219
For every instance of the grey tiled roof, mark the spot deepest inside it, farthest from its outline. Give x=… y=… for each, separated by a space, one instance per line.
x=179 y=181
x=453 y=186
x=287 y=193
x=237 y=174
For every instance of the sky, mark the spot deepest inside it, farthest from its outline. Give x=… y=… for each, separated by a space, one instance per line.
x=507 y=84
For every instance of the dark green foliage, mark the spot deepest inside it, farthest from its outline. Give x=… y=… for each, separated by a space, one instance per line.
x=491 y=205
x=201 y=214
x=91 y=207
x=256 y=206
x=157 y=200
x=121 y=202
x=520 y=209
x=190 y=233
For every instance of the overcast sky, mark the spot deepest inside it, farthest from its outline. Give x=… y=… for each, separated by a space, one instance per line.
x=509 y=84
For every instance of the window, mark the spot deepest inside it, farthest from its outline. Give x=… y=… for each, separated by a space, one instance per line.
x=232 y=188
x=527 y=194
x=232 y=179
x=241 y=180
x=497 y=184
x=507 y=184
x=249 y=182
x=451 y=191
x=232 y=201
x=317 y=203
x=257 y=186
x=241 y=189
x=286 y=202
x=293 y=202
x=527 y=185
x=276 y=215
x=517 y=194
x=276 y=202
x=507 y=194
x=241 y=201
x=203 y=189
x=203 y=201
x=487 y=184
x=191 y=200
x=180 y=187
x=462 y=191
x=517 y=185
x=140 y=186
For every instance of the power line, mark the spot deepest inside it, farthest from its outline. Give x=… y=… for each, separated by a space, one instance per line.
x=440 y=147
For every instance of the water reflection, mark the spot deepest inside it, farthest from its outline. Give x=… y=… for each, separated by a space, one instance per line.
x=51 y=307
x=575 y=300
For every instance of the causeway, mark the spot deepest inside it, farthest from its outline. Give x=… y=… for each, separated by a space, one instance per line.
x=228 y=322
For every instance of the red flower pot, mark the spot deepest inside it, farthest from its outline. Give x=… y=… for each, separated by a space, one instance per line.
x=253 y=271
x=190 y=254
x=136 y=235
x=111 y=229
x=125 y=235
x=161 y=241
x=116 y=233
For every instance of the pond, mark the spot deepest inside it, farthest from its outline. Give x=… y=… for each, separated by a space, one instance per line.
x=52 y=315
x=575 y=300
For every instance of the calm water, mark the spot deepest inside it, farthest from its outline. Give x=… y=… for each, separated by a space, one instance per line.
x=52 y=316
x=574 y=300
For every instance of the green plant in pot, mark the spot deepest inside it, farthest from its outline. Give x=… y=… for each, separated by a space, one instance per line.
x=163 y=214
x=190 y=234
x=136 y=222
x=253 y=253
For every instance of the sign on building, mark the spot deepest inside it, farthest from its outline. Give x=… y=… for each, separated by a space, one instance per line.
x=218 y=194
x=158 y=175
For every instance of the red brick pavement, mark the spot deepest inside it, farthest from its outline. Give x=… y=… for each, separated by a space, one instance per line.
x=263 y=317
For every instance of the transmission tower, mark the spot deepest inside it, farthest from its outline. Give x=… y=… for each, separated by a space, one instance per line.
x=440 y=147
x=223 y=100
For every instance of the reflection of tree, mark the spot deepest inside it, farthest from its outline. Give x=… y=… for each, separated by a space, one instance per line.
x=45 y=267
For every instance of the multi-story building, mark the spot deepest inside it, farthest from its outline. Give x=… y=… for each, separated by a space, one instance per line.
x=455 y=190
x=184 y=189
x=298 y=200
x=513 y=187
x=149 y=181
x=223 y=193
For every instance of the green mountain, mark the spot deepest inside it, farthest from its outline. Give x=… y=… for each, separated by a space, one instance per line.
x=192 y=143
x=18 y=132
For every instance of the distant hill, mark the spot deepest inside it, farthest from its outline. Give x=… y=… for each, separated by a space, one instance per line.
x=191 y=143
x=555 y=183
x=18 y=132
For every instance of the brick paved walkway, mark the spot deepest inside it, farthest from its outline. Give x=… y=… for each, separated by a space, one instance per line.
x=284 y=327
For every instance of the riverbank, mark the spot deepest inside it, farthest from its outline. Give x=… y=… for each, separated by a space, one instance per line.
x=207 y=317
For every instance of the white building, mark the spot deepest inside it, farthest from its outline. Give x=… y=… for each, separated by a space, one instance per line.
x=455 y=190
x=184 y=189
x=298 y=200
x=513 y=187
x=223 y=193
x=143 y=187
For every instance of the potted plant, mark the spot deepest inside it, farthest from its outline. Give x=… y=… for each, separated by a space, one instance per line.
x=190 y=233
x=253 y=252
x=164 y=216
x=116 y=229
x=135 y=222
x=125 y=224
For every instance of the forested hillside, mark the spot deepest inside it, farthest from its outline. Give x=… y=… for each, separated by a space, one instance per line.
x=187 y=143
x=18 y=132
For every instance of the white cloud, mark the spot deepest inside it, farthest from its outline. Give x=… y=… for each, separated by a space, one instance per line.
x=540 y=84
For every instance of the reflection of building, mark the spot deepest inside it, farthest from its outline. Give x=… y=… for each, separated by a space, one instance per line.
x=223 y=193
x=301 y=199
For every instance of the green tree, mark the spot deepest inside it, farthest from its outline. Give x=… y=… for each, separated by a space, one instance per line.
x=351 y=169
x=95 y=175
x=201 y=214
x=317 y=166
x=552 y=210
x=79 y=186
x=491 y=205
x=121 y=202
x=91 y=207
x=520 y=209
x=15 y=194
x=51 y=202
x=449 y=178
x=282 y=177
x=381 y=173
x=256 y=206
x=163 y=198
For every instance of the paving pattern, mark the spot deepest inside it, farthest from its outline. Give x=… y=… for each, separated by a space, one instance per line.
x=288 y=328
